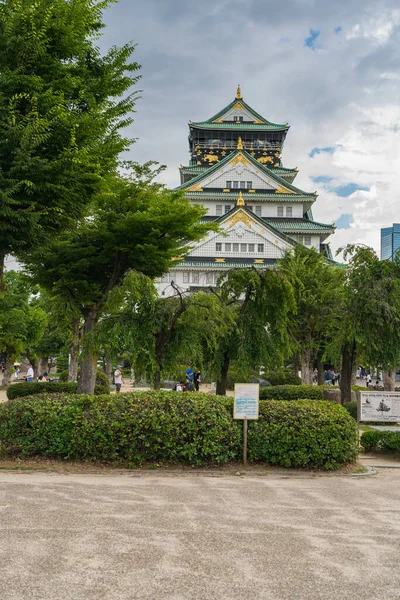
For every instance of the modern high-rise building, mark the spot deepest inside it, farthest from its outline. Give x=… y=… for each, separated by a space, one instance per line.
x=390 y=241
x=236 y=172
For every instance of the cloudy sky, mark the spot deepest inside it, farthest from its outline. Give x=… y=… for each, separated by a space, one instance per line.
x=330 y=68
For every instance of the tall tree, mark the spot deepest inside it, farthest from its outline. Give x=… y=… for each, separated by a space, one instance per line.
x=138 y=225
x=22 y=321
x=256 y=306
x=62 y=108
x=318 y=288
x=370 y=318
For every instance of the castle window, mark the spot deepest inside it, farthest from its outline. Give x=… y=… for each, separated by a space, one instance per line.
x=289 y=211
x=218 y=210
x=249 y=185
x=243 y=247
x=280 y=211
x=218 y=247
x=210 y=278
x=243 y=185
x=227 y=207
x=238 y=119
x=236 y=247
x=228 y=247
x=258 y=211
x=251 y=247
x=260 y=247
x=195 y=277
x=229 y=184
x=307 y=240
x=235 y=185
x=186 y=277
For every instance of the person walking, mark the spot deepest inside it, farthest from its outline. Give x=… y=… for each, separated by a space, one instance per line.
x=369 y=378
x=197 y=380
x=118 y=379
x=29 y=374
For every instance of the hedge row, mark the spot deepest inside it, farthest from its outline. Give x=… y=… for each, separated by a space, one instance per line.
x=351 y=407
x=22 y=390
x=282 y=378
x=170 y=427
x=384 y=441
x=292 y=392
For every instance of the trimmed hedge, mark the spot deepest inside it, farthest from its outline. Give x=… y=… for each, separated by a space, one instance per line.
x=169 y=427
x=383 y=441
x=351 y=407
x=292 y=392
x=303 y=434
x=21 y=390
x=282 y=378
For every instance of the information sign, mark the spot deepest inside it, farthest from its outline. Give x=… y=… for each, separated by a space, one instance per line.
x=379 y=406
x=246 y=401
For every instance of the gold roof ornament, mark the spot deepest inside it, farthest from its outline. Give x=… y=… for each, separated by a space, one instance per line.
x=238 y=93
x=240 y=200
x=240 y=144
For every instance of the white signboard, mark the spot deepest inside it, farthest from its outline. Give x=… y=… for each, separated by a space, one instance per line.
x=246 y=401
x=379 y=406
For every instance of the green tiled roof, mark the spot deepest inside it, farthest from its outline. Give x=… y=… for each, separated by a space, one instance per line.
x=255 y=162
x=239 y=126
x=248 y=197
x=300 y=225
x=219 y=265
x=265 y=123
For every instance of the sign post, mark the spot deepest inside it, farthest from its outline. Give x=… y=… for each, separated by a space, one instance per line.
x=381 y=407
x=246 y=408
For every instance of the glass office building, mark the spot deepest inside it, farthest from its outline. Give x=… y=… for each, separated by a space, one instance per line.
x=390 y=241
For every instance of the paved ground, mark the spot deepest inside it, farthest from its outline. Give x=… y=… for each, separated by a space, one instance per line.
x=199 y=538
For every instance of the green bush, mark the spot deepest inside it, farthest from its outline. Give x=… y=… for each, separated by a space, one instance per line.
x=383 y=441
x=21 y=390
x=351 y=407
x=282 y=378
x=173 y=427
x=102 y=383
x=291 y=392
x=303 y=434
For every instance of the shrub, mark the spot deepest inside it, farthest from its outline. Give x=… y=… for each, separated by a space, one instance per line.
x=282 y=378
x=303 y=434
x=291 y=392
x=351 y=407
x=146 y=426
x=20 y=390
x=176 y=428
x=102 y=383
x=384 y=441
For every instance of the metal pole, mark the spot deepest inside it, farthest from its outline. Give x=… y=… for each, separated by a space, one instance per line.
x=244 y=441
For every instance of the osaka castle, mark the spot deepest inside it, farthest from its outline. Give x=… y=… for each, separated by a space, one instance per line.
x=236 y=172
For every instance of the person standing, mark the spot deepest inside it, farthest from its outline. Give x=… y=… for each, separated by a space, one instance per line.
x=369 y=378
x=197 y=380
x=29 y=374
x=189 y=376
x=118 y=379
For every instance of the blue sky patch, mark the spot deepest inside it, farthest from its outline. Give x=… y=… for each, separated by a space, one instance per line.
x=344 y=221
x=321 y=179
x=316 y=150
x=310 y=41
x=346 y=190
x=337 y=29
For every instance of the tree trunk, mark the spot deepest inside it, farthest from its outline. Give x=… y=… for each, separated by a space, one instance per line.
x=348 y=364
x=2 y=284
x=74 y=352
x=307 y=366
x=8 y=371
x=296 y=365
x=223 y=380
x=157 y=377
x=321 y=373
x=43 y=365
x=389 y=380
x=87 y=379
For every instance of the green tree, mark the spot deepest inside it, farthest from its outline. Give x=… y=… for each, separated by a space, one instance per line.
x=254 y=331
x=62 y=108
x=318 y=289
x=370 y=317
x=22 y=321
x=138 y=225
